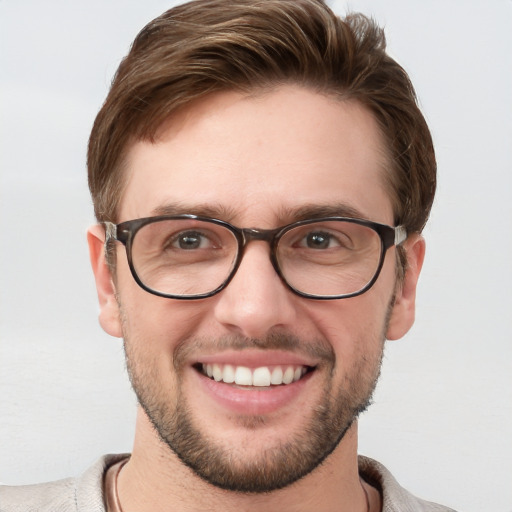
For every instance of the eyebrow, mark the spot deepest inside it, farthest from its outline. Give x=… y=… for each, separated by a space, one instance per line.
x=286 y=214
x=215 y=211
x=316 y=211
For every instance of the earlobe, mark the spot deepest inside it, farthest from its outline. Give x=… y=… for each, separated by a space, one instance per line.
x=403 y=312
x=109 y=316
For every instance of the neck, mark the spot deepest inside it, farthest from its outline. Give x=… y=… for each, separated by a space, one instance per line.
x=155 y=479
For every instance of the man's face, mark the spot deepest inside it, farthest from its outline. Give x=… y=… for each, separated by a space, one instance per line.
x=256 y=161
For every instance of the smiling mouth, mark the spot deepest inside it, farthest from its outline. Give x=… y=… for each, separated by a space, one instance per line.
x=263 y=376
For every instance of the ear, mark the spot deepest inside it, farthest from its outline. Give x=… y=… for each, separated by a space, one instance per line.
x=403 y=312
x=110 y=319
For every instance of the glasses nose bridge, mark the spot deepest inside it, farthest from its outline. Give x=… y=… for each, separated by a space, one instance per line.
x=263 y=235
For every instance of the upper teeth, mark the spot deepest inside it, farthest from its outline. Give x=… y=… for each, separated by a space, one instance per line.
x=262 y=376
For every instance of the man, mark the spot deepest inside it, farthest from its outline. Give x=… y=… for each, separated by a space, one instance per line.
x=261 y=175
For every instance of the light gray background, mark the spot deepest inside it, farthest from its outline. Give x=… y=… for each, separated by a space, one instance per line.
x=443 y=411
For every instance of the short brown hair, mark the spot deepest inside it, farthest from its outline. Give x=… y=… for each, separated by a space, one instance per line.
x=210 y=45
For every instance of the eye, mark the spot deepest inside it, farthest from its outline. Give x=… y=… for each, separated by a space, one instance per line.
x=319 y=240
x=190 y=240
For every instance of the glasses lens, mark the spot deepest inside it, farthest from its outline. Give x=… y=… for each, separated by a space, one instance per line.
x=329 y=258
x=183 y=257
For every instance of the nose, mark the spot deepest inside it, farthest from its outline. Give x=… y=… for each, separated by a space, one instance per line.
x=256 y=300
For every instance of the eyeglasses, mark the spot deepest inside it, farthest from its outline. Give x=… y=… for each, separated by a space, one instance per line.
x=192 y=257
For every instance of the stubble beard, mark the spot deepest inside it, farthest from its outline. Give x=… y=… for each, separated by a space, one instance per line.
x=280 y=464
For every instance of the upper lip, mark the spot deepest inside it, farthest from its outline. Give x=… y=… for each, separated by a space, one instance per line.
x=256 y=359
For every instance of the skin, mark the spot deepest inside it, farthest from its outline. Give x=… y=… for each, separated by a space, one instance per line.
x=287 y=148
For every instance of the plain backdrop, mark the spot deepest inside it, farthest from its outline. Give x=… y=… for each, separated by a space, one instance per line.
x=442 y=418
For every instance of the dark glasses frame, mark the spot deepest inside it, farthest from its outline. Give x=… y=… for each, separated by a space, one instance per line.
x=125 y=233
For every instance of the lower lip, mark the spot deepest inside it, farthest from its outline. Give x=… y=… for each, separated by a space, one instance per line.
x=253 y=401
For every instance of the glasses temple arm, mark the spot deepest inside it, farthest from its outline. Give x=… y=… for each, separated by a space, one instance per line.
x=110 y=231
x=400 y=234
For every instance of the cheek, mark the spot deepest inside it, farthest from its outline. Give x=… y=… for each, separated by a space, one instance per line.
x=155 y=324
x=354 y=327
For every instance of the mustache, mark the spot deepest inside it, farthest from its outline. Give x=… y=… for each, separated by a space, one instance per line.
x=317 y=349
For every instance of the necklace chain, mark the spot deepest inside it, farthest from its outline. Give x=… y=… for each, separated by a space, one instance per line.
x=365 y=495
x=116 y=493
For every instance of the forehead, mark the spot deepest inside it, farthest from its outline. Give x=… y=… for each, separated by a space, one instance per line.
x=257 y=159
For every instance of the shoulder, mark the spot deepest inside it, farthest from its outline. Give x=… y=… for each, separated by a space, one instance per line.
x=57 y=495
x=81 y=494
x=394 y=497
